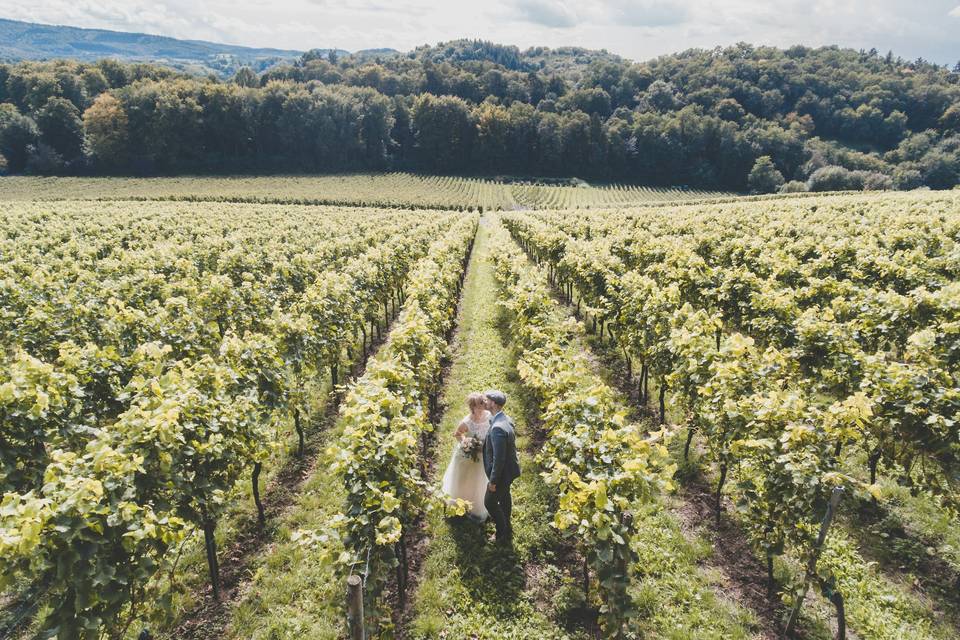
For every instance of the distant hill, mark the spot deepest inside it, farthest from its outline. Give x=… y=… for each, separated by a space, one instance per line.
x=561 y=60
x=737 y=118
x=30 y=41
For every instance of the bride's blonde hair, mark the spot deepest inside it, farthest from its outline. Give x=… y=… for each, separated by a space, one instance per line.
x=475 y=400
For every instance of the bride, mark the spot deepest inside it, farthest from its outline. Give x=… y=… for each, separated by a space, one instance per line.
x=465 y=477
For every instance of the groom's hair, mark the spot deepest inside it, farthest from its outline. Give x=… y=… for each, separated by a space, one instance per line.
x=499 y=398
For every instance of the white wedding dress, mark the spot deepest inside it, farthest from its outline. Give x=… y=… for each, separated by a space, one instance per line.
x=465 y=477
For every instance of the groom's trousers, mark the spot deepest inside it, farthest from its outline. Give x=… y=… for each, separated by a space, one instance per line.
x=499 y=505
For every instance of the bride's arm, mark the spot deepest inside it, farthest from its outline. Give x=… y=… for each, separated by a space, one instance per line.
x=461 y=430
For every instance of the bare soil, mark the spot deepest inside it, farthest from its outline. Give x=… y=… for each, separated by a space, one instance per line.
x=744 y=576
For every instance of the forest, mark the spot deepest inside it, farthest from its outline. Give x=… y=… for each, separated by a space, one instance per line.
x=743 y=118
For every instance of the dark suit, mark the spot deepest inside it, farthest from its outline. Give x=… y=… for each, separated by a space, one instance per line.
x=502 y=468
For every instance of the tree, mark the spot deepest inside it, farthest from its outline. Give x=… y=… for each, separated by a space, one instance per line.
x=401 y=135
x=105 y=124
x=834 y=178
x=905 y=177
x=950 y=120
x=94 y=82
x=443 y=130
x=729 y=109
x=764 y=177
x=4 y=76
x=246 y=77
x=30 y=89
x=116 y=73
x=660 y=96
x=376 y=124
x=940 y=169
x=493 y=136
x=61 y=127
x=895 y=126
x=44 y=160
x=700 y=118
x=17 y=133
x=550 y=143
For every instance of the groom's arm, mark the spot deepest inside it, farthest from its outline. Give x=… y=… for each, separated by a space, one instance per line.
x=498 y=439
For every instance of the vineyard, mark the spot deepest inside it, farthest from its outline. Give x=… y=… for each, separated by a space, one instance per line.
x=222 y=398
x=392 y=190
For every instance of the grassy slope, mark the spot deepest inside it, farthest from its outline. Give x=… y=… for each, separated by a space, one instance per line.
x=678 y=594
x=469 y=588
x=291 y=593
x=880 y=605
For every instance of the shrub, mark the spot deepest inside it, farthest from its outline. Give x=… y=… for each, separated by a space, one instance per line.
x=794 y=186
x=907 y=178
x=873 y=181
x=941 y=170
x=764 y=177
x=834 y=178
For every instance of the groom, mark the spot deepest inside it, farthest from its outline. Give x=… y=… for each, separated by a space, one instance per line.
x=500 y=463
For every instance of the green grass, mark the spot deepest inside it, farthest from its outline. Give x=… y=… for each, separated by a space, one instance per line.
x=469 y=588
x=881 y=601
x=677 y=593
x=911 y=519
x=879 y=606
x=292 y=592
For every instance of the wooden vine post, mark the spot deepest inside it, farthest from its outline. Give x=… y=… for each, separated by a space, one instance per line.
x=355 y=607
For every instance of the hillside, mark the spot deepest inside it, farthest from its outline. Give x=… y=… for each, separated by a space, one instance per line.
x=30 y=41
x=232 y=406
x=741 y=118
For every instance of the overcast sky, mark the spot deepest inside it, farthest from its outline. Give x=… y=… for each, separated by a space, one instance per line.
x=637 y=29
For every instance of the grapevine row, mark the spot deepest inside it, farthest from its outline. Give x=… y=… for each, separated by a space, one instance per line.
x=602 y=466
x=386 y=417
x=385 y=191
x=145 y=436
x=776 y=407
x=842 y=320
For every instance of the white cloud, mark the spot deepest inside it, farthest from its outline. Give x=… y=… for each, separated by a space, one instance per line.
x=647 y=13
x=637 y=29
x=546 y=13
x=633 y=13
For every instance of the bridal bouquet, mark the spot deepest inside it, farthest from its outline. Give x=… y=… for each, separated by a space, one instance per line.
x=470 y=447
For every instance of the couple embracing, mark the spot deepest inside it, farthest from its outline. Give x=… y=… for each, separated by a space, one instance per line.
x=484 y=462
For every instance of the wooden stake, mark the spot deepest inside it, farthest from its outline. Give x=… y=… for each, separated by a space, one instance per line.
x=355 y=607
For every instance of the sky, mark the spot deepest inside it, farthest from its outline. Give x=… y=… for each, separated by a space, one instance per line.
x=635 y=29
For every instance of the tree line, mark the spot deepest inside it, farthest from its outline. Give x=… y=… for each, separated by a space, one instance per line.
x=740 y=118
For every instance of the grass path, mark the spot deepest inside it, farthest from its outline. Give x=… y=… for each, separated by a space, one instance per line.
x=468 y=587
x=880 y=604
x=679 y=588
x=289 y=590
